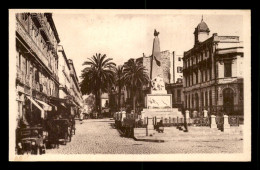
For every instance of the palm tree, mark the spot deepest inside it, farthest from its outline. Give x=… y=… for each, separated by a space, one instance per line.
x=135 y=76
x=97 y=77
x=119 y=82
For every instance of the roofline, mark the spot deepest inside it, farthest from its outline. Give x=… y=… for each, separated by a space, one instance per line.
x=53 y=27
x=71 y=62
x=64 y=55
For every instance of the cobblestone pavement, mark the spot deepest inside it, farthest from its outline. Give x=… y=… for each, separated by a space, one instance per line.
x=98 y=136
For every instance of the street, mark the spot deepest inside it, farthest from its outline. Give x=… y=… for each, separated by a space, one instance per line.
x=98 y=136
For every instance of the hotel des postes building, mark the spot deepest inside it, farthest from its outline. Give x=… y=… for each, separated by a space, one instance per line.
x=212 y=72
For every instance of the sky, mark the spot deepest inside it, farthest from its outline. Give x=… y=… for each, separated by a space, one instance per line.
x=122 y=36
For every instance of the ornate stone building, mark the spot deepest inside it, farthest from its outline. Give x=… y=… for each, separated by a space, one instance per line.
x=212 y=72
x=37 y=66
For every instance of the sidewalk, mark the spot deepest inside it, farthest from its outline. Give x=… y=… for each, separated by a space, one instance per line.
x=194 y=134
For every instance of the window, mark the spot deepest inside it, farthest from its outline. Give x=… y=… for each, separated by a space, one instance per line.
x=206 y=98
x=179 y=69
x=227 y=69
x=210 y=98
x=188 y=101
x=210 y=73
x=179 y=80
x=202 y=99
x=201 y=75
x=197 y=77
x=19 y=60
x=192 y=101
x=24 y=16
x=26 y=67
x=206 y=74
x=178 y=95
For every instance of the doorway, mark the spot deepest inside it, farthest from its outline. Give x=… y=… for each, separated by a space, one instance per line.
x=228 y=101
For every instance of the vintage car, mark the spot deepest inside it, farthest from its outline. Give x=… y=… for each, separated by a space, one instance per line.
x=30 y=140
x=64 y=130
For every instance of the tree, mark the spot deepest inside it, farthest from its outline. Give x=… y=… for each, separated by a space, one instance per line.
x=97 y=77
x=119 y=82
x=135 y=76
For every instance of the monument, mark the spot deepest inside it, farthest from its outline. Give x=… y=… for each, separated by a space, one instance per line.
x=159 y=103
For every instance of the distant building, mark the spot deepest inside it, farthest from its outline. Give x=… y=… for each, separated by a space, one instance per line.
x=213 y=73
x=67 y=83
x=175 y=87
x=74 y=88
x=176 y=68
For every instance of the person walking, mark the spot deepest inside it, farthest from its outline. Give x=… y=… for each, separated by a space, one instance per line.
x=81 y=117
x=185 y=121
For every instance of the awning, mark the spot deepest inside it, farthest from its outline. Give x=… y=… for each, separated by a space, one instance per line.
x=75 y=104
x=63 y=105
x=46 y=107
x=37 y=105
x=55 y=107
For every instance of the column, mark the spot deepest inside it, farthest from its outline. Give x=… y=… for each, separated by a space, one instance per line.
x=226 y=126
x=213 y=124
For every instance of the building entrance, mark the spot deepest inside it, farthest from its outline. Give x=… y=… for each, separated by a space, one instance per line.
x=228 y=101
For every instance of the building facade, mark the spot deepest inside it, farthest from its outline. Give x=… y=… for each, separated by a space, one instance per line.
x=212 y=72
x=74 y=88
x=175 y=86
x=37 y=66
x=64 y=74
x=176 y=68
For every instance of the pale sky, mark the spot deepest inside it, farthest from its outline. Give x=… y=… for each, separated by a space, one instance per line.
x=124 y=36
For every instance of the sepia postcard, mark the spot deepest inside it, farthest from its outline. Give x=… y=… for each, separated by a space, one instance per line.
x=129 y=85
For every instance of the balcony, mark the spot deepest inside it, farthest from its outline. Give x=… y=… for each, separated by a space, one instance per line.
x=27 y=38
x=227 y=80
x=20 y=76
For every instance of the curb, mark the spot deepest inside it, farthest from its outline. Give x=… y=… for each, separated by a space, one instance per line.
x=149 y=140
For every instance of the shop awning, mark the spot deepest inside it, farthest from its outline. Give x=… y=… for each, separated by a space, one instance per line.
x=63 y=105
x=37 y=105
x=75 y=104
x=46 y=107
x=55 y=107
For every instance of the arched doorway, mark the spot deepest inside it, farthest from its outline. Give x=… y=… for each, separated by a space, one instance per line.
x=228 y=101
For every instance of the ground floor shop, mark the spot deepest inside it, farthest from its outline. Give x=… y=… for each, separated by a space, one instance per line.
x=42 y=120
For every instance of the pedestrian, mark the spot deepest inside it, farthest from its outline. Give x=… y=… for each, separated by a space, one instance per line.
x=185 y=121
x=81 y=117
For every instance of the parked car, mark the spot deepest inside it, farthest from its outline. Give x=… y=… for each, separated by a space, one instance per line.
x=30 y=140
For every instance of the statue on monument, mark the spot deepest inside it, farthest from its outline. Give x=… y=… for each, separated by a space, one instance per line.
x=158 y=83
x=156 y=33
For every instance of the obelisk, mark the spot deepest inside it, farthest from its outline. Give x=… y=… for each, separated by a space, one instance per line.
x=156 y=68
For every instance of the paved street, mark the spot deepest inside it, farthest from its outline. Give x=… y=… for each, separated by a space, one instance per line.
x=97 y=136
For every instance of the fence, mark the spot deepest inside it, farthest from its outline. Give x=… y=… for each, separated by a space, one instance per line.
x=236 y=110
